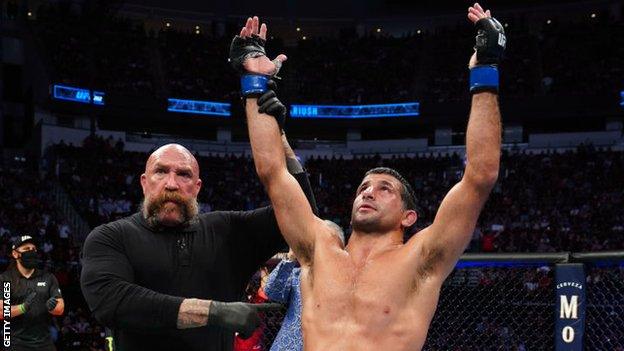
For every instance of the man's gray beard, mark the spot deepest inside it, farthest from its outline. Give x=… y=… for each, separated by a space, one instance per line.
x=189 y=211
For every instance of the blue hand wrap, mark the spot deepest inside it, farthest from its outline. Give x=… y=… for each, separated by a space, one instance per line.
x=253 y=84
x=483 y=78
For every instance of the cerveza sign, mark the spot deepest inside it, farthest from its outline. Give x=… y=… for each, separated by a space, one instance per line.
x=570 y=307
x=407 y=109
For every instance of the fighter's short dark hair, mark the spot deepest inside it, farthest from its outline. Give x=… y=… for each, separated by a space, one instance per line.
x=407 y=193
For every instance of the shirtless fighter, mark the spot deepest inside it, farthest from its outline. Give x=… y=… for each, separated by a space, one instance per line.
x=377 y=293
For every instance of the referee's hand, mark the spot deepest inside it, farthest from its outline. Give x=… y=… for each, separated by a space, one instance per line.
x=239 y=317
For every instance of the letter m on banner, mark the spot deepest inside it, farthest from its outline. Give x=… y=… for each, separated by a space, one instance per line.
x=570 y=307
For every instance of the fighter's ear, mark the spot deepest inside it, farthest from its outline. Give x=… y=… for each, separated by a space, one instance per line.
x=409 y=218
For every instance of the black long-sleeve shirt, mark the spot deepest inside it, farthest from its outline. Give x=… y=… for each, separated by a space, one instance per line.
x=134 y=278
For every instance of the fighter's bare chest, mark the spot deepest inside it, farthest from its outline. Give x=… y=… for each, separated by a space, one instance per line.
x=363 y=284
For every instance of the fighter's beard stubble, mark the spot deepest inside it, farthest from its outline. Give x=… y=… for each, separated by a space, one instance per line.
x=366 y=225
x=153 y=209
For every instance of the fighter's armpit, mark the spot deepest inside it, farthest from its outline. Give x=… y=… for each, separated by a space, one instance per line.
x=428 y=254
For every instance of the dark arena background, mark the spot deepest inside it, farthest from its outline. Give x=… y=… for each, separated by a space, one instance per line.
x=89 y=88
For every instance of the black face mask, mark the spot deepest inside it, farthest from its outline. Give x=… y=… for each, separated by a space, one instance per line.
x=29 y=259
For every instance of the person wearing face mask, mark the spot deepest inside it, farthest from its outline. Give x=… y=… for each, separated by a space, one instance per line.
x=35 y=297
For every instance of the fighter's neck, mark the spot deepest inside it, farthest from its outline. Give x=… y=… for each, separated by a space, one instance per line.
x=362 y=247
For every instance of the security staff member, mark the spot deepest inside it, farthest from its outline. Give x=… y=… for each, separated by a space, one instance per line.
x=165 y=277
x=35 y=296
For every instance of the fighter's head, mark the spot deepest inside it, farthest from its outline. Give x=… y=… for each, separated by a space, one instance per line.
x=384 y=202
x=170 y=186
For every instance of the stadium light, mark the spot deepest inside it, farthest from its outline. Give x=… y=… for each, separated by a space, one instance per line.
x=593 y=15
x=29 y=14
x=298 y=29
x=168 y=24
x=548 y=22
x=418 y=31
x=378 y=30
x=304 y=37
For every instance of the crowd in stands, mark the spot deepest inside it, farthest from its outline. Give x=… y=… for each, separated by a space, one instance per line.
x=544 y=202
x=551 y=201
x=574 y=57
x=196 y=67
x=99 y=51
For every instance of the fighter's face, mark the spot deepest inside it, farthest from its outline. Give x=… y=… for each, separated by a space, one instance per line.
x=378 y=207
x=170 y=187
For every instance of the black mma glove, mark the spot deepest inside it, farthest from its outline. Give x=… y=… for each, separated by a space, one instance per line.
x=249 y=49
x=490 y=46
x=28 y=301
x=238 y=316
x=244 y=48
x=269 y=104
x=51 y=303
x=490 y=41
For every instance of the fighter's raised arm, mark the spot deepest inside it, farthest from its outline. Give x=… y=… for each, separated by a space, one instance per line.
x=294 y=214
x=457 y=216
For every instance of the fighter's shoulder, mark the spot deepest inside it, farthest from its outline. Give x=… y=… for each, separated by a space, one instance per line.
x=330 y=232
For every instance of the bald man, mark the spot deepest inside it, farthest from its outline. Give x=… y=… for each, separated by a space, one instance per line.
x=165 y=277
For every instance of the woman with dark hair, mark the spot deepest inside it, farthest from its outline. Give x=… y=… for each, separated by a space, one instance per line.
x=34 y=297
